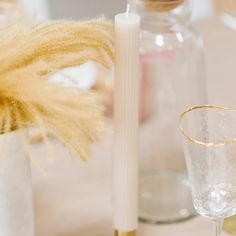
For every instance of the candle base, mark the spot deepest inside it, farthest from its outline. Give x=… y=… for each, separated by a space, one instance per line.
x=118 y=233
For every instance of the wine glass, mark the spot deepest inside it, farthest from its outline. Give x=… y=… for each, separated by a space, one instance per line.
x=209 y=141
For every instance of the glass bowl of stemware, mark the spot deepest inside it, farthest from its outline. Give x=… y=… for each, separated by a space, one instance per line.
x=209 y=142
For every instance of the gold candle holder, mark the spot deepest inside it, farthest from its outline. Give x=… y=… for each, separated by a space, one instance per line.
x=162 y=5
x=132 y=233
x=230 y=225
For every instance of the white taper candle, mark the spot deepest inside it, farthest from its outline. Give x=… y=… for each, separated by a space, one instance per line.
x=125 y=169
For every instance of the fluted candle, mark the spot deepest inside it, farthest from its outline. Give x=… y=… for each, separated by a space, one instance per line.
x=125 y=169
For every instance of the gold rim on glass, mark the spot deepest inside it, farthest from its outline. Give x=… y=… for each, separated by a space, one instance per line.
x=191 y=139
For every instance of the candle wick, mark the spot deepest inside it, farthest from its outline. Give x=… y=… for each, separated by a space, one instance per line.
x=128 y=10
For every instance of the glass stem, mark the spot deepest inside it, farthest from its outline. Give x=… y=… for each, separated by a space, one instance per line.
x=218 y=225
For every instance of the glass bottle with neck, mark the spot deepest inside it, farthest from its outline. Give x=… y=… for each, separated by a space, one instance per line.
x=172 y=79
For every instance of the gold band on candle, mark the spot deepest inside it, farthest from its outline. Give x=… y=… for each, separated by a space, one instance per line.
x=118 y=233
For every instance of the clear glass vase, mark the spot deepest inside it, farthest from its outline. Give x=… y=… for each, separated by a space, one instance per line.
x=173 y=79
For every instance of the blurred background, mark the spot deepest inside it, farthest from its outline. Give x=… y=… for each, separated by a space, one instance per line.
x=215 y=21
x=78 y=9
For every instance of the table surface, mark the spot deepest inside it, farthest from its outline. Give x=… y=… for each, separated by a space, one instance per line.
x=74 y=198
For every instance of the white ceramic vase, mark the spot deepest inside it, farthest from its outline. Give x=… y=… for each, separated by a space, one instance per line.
x=16 y=201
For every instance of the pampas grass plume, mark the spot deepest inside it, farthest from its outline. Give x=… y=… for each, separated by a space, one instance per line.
x=29 y=55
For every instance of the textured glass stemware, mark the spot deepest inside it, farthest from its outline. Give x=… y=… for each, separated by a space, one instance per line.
x=209 y=141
